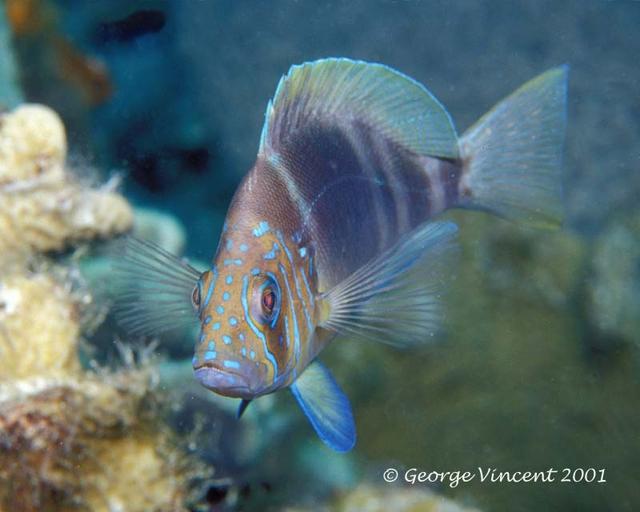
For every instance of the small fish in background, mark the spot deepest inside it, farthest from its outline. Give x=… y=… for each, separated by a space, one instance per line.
x=89 y=75
x=330 y=233
x=37 y=20
x=134 y=25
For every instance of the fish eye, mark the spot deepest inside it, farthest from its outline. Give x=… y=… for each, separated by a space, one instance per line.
x=195 y=296
x=268 y=301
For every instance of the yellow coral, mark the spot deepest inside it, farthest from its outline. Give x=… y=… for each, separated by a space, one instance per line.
x=137 y=477
x=88 y=444
x=70 y=439
x=32 y=142
x=385 y=498
x=398 y=499
x=38 y=328
x=42 y=206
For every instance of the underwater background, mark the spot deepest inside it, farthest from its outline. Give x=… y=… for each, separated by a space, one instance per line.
x=154 y=115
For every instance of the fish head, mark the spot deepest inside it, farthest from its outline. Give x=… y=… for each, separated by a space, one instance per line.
x=252 y=332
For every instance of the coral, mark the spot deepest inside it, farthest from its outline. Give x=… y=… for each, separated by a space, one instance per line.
x=613 y=296
x=32 y=143
x=39 y=328
x=87 y=443
x=73 y=439
x=383 y=498
x=43 y=206
x=161 y=228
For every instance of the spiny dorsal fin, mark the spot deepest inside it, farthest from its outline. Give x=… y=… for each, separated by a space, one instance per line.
x=343 y=91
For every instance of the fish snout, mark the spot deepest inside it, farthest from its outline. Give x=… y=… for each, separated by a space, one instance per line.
x=242 y=382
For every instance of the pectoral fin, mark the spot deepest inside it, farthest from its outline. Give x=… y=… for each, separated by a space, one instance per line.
x=326 y=406
x=396 y=297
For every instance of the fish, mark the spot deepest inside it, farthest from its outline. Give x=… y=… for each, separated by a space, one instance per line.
x=334 y=232
x=38 y=21
x=136 y=24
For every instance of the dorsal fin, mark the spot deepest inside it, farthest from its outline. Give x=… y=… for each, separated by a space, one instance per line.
x=343 y=91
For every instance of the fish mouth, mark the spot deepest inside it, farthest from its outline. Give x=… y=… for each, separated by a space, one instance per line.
x=224 y=382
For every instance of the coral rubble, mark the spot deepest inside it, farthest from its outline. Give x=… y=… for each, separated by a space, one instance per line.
x=43 y=206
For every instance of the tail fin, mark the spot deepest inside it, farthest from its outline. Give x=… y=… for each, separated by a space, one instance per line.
x=512 y=155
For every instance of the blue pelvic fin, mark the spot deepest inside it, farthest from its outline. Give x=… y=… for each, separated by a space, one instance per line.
x=343 y=93
x=396 y=297
x=513 y=154
x=326 y=406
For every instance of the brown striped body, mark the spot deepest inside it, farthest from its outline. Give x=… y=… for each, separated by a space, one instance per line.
x=352 y=194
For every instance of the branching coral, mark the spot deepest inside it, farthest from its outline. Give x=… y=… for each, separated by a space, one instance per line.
x=75 y=440
x=70 y=439
x=43 y=206
x=38 y=328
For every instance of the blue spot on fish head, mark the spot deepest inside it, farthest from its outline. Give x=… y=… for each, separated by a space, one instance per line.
x=261 y=229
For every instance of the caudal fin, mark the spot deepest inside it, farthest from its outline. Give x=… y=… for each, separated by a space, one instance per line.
x=512 y=155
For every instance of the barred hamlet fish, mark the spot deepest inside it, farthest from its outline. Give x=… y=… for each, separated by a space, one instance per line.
x=329 y=234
